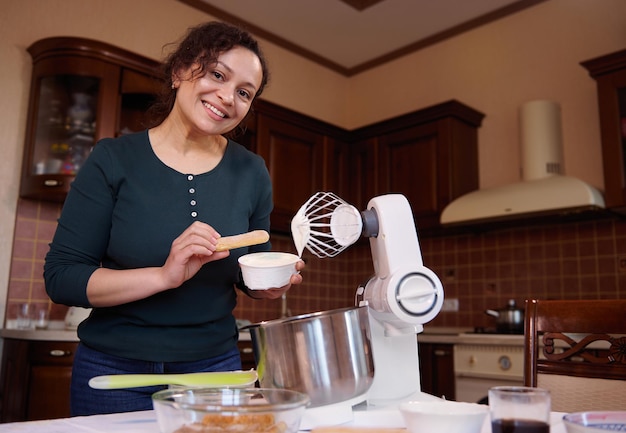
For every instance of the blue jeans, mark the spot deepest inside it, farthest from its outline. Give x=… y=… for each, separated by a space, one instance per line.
x=89 y=363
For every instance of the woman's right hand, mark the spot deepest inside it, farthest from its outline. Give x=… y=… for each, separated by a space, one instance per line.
x=190 y=251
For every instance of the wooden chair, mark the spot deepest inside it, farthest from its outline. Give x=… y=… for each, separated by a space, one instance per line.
x=577 y=350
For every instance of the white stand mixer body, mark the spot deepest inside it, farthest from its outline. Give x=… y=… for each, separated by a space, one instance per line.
x=402 y=296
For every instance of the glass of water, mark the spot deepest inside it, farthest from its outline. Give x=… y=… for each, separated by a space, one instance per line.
x=24 y=313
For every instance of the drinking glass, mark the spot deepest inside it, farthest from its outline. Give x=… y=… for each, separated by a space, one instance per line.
x=519 y=409
x=41 y=318
x=24 y=316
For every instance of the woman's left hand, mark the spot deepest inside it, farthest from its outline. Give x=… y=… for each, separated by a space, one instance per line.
x=277 y=292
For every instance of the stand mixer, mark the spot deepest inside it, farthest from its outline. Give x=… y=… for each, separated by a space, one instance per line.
x=402 y=295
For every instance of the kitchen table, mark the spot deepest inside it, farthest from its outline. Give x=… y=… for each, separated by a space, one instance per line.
x=145 y=422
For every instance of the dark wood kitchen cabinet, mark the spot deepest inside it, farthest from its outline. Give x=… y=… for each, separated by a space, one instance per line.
x=81 y=90
x=303 y=156
x=609 y=71
x=36 y=379
x=437 y=369
x=430 y=156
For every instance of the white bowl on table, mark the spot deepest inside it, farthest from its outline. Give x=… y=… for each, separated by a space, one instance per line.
x=595 y=422
x=443 y=416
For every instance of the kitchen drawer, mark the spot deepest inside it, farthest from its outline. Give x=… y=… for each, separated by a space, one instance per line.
x=52 y=352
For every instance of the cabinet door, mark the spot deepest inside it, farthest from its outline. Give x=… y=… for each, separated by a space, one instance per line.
x=430 y=156
x=49 y=379
x=294 y=156
x=437 y=369
x=610 y=74
x=14 y=372
x=407 y=164
x=49 y=392
x=36 y=379
x=612 y=103
x=363 y=171
x=137 y=93
x=70 y=109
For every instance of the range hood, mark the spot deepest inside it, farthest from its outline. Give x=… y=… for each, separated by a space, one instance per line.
x=543 y=190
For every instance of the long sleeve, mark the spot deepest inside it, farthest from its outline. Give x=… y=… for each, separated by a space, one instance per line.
x=82 y=234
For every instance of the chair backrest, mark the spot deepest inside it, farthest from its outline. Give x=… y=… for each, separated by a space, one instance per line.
x=577 y=350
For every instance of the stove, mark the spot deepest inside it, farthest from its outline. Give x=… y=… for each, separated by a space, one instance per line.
x=485 y=359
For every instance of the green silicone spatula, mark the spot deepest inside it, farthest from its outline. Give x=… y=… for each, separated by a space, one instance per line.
x=210 y=380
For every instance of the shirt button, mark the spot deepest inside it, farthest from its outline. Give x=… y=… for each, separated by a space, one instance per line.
x=189 y=177
x=194 y=214
x=193 y=202
x=192 y=190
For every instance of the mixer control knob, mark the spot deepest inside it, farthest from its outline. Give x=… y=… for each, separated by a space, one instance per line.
x=416 y=294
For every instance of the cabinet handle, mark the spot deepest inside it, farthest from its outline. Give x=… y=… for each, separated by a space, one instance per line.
x=52 y=182
x=246 y=350
x=441 y=352
x=60 y=352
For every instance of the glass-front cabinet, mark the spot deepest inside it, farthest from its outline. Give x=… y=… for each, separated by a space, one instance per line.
x=66 y=123
x=609 y=71
x=81 y=90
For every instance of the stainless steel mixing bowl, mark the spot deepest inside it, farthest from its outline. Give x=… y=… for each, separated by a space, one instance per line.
x=326 y=355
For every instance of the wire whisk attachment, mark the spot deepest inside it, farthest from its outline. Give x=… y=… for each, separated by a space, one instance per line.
x=326 y=225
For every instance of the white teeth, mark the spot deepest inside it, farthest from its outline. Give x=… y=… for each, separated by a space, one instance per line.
x=213 y=109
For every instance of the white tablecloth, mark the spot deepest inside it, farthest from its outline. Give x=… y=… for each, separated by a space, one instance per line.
x=145 y=422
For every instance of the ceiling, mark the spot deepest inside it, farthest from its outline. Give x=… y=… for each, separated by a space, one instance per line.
x=351 y=36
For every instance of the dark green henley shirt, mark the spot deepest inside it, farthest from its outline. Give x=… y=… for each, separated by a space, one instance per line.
x=123 y=211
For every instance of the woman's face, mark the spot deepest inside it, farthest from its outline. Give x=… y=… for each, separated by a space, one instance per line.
x=216 y=102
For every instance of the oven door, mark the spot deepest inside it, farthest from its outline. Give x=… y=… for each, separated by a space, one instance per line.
x=478 y=367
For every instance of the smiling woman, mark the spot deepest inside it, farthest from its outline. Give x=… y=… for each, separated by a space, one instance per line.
x=138 y=240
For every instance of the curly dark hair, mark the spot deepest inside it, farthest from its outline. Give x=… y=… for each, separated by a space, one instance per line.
x=203 y=45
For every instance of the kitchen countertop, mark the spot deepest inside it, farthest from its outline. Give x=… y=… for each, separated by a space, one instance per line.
x=57 y=331
x=465 y=335
x=446 y=330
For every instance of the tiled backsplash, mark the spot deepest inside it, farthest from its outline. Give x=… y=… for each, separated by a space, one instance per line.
x=573 y=261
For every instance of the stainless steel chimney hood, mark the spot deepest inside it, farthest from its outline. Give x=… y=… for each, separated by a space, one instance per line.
x=550 y=195
x=543 y=190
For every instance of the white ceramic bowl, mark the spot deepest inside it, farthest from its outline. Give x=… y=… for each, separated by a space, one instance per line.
x=443 y=416
x=262 y=271
x=595 y=422
x=229 y=410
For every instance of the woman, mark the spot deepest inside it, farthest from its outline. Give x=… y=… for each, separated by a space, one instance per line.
x=137 y=235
